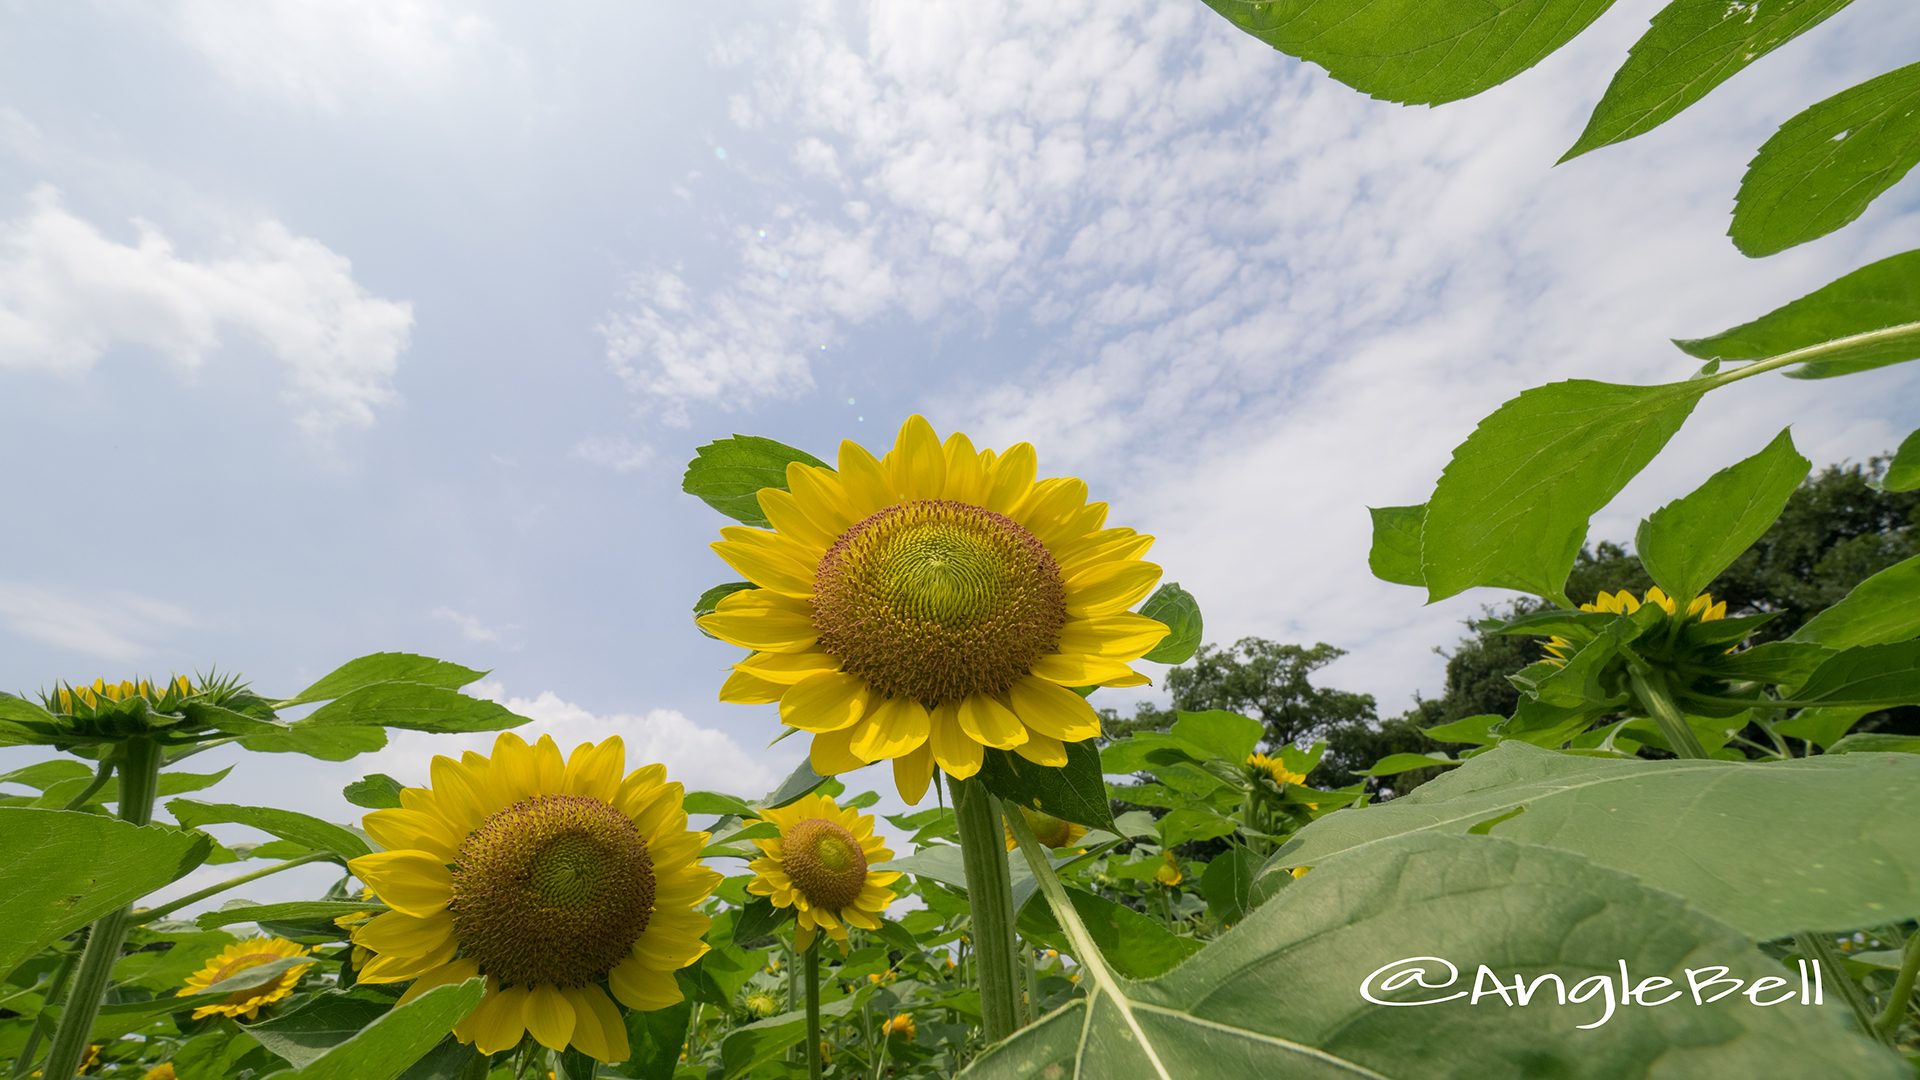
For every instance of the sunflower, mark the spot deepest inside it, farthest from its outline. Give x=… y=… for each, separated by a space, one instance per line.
x=236 y=958
x=1051 y=831
x=162 y=1071
x=67 y=698
x=930 y=604
x=901 y=1025
x=1168 y=873
x=1274 y=769
x=1702 y=609
x=819 y=865
x=551 y=877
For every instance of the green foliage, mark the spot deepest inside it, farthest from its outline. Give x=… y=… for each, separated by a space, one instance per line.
x=1868 y=319
x=1073 y=791
x=1903 y=472
x=1395 y=555
x=728 y=474
x=302 y=829
x=1176 y=607
x=1824 y=166
x=1690 y=541
x=383 y=1049
x=377 y=668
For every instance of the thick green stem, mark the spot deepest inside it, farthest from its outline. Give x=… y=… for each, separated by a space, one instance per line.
x=983 y=853
x=100 y=777
x=56 y=985
x=1896 y=1008
x=812 y=980
x=1651 y=688
x=1819 y=948
x=139 y=781
x=166 y=909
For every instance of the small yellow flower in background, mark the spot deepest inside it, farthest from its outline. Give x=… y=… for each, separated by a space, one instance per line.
x=67 y=698
x=901 y=1025
x=1051 y=831
x=162 y=1071
x=1702 y=609
x=826 y=1052
x=1169 y=874
x=761 y=1004
x=879 y=978
x=951 y=962
x=558 y=879
x=1275 y=769
x=926 y=605
x=819 y=866
x=236 y=958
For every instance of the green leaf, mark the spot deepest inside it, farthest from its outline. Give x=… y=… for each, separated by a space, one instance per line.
x=1692 y=47
x=319 y=1024
x=709 y=600
x=1780 y=663
x=1176 y=607
x=291 y=911
x=728 y=474
x=1227 y=884
x=286 y=824
x=1395 y=764
x=758 y=920
x=1223 y=735
x=385 y=1048
x=385 y=667
x=330 y=743
x=799 y=783
x=1874 y=743
x=1468 y=730
x=1846 y=856
x=414 y=706
x=42 y=775
x=1137 y=946
x=1822 y=727
x=1879 y=675
x=1512 y=507
x=1867 y=319
x=1075 y=791
x=65 y=869
x=714 y=802
x=655 y=1039
x=747 y=1047
x=1822 y=168
x=1879 y=611
x=1903 y=472
x=1279 y=995
x=1194 y=823
x=1685 y=544
x=375 y=791
x=1395 y=555
x=1414 y=51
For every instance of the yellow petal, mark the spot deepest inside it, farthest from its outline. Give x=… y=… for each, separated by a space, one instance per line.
x=912 y=772
x=959 y=755
x=1054 y=711
x=454 y=971
x=598 y=1030
x=1075 y=669
x=595 y=770
x=550 y=1017
x=746 y=688
x=406 y=935
x=831 y=753
x=500 y=1021
x=833 y=701
x=890 y=729
x=397 y=967
x=985 y=720
x=966 y=476
x=641 y=988
x=863 y=480
x=917 y=466
x=1012 y=478
x=783 y=512
x=457 y=790
x=768 y=559
x=1107 y=588
x=819 y=494
x=1122 y=636
x=399 y=829
x=406 y=881
x=1043 y=750
x=788 y=668
x=803 y=935
x=763 y=621
x=1048 y=506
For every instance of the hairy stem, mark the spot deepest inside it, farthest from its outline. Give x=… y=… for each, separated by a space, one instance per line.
x=164 y=910
x=139 y=781
x=100 y=777
x=56 y=985
x=812 y=981
x=1819 y=351
x=1819 y=948
x=983 y=853
x=1651 y=688
x=1895 y=1009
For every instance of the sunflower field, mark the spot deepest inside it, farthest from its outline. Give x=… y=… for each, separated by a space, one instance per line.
x=1675 y=857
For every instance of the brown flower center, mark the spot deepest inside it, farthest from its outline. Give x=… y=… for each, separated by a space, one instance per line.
x=825 y=862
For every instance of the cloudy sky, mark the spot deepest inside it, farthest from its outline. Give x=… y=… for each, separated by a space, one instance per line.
x=332 y=328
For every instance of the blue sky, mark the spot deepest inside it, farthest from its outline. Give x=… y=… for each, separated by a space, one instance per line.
x=392 y=327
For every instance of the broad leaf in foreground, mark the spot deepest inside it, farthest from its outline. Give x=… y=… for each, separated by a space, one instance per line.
x=383 y=1049
x=1685 y=544
x=1870 y=318
x=1841 y=849
x=1281 y=994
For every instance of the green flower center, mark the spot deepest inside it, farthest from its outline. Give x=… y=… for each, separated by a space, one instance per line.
x=938 y=600
x=825 y=862
x=553 y=890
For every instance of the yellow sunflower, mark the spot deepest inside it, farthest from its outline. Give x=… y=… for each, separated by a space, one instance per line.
x=1703 y=609
x=162 y=1071
x=819 y=865
x=929 y=604
x=1051 y=831
x=1169 y=873
x=553 y=878
x=1275 y=769
x=236 y=958
x=901 y=1025
x=125 y=690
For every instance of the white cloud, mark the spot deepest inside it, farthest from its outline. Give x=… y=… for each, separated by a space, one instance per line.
x=699 y=757
x=1248 y=300
x=327 y=53
x=118 y=626
x=616 y=452
x=68 y=292
x=473 y=629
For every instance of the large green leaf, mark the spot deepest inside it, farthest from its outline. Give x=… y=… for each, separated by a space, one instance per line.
x=1395 y=555
x=655 y=1039
x=1903 y=472
x=1280 y=994
x=1415 y=51
x=383 y=1049
x=1692 y=47
x=65 y=869
x=290 y=911
x=415 y=706
x=1879 y=611
x=1138 y=946
x=385 y=667
x=1841 y=849
x=1685 y=544
x=286 y=824
x=1823 y=167
x=749 y=1046
x=729 y=473
x=1176 y=607
x=1867 y=319
x=1075 y=791
x=1512 y=507
x=321 y=1023
x=1879 y=675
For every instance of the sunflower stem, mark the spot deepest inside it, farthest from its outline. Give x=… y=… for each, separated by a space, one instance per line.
x=56 y=985
x=983 y=853
x=1819 y=948
x=100 y=777
x=139 y=781
x=1895 y=1010
x=812 y=981
x=1651 y=688
x=164 y=910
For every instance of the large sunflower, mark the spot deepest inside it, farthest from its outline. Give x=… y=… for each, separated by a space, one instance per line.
x=932 y=603
x=552 y=878
x=238 y=957
x=820 y=865
x=1702 y=609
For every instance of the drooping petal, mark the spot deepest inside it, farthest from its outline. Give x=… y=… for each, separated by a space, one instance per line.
x=761 y=620
x=913 y=772
x=642 y=988
x=1055 y=712
x=788 y=668
x=1106 y=588
x=746 y=688
x=831 y=701
x=985 y=720
x=896 y=726
x=598 y=1031
x=407 y=881
x=768 y=559
x=959 y=755
x=453 y=971
x=500 y=1020
x=832 y=753
x=1043 y=750
x=550 y=1017
x=1079 y=669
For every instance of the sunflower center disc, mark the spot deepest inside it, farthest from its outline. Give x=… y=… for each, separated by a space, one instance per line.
x=938 y=600
x=554 y=889
x=825 y=862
